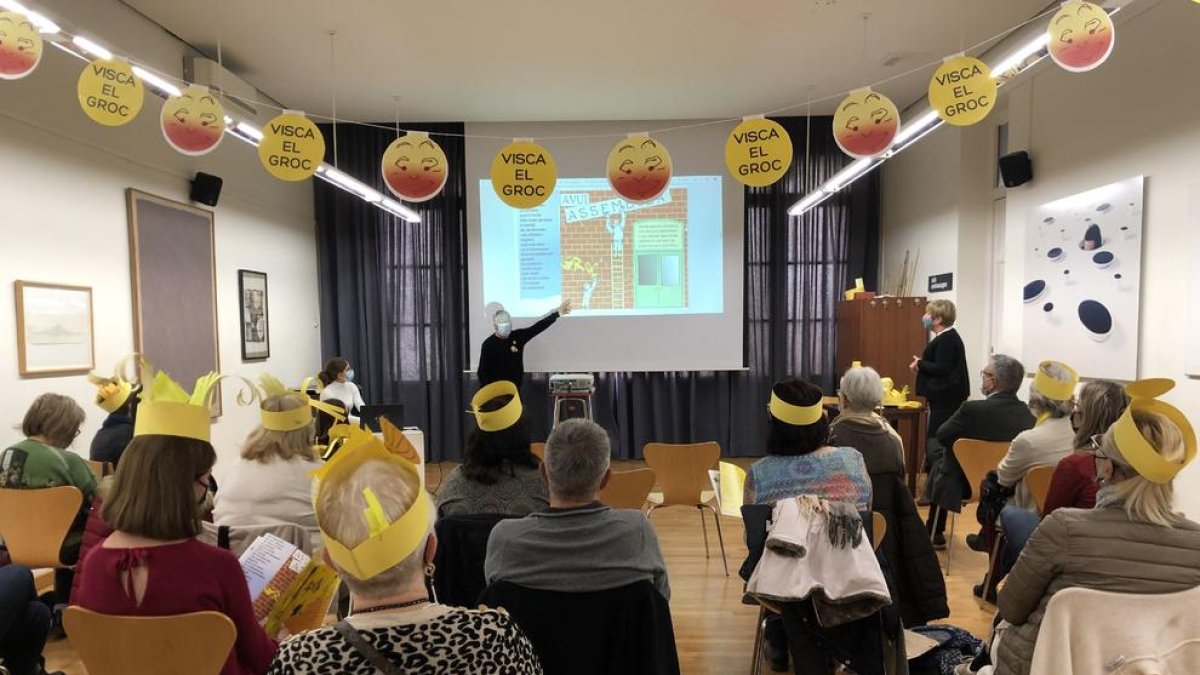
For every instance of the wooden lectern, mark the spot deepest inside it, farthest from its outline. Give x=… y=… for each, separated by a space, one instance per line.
x=883 y=333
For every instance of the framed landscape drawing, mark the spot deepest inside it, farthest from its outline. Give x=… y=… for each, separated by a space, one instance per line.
x=256 y=334
x=54 y=329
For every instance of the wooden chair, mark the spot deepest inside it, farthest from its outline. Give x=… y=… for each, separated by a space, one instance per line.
x=34 y=523
x=185 y=644
x=878 y=529
x=976 y=459
x=539 y=450
x=628 y=489
x=1038 y=482
x=682 y=471
x=100 y=469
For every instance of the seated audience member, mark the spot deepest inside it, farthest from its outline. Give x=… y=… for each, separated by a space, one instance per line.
x=24 y=623
x=1000 y=416
x=378 y=527
x=799 y=458
x=152 y=564
x=338 y=380
x=42 y=461
x=271 y=482
x=1051 y=399
x=326 y=420
x=920 y=587
x=800 y=461
x=1132 y=542
x=118 y=398
x=577 y=544
x=1073 y=485
x=499 y=474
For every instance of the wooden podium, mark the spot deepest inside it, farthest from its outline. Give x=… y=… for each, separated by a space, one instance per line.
x=883 y=333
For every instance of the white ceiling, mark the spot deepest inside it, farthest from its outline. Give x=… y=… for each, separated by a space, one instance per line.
x=516 y=60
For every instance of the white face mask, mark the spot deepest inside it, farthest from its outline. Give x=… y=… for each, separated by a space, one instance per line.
x=503 y=323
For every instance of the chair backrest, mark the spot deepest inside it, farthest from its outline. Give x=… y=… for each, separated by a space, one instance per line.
x=611 y=632
x=878 y=529
x=237 y=538
x=628 y=489
x=976 y=459
x=34 y=523
x=1038 y=480
x=186 y=644
x=539 y=450
x=682 y=469
x=461 y=551
x=100 y=469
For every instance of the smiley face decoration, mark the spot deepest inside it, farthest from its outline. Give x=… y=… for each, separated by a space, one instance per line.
x=193 y=122
x=866 y=123
x=639 y=168
x=414 y=167
x=20 y=46
x=1081 y=36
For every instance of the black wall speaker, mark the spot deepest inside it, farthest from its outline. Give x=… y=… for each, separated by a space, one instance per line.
x=206 y=188
x=1016 y=169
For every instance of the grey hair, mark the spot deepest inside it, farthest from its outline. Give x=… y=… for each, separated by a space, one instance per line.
x=862 y=389
x=577 y=457
x=500 y=316
x=340 y=507
x=1009 y=373
x=1040 y=403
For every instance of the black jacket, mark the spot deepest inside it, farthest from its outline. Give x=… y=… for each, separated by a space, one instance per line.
x=942 y=376
x=920 y=588
x=458 y=563
x=110 y=441
x=504 y=359
x=619 y=631
x=999 y=417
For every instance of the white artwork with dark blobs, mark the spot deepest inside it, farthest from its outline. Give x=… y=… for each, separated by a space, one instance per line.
x=1083 y=271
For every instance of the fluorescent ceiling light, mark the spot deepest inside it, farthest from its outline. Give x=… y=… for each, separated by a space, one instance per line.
x=815 y=197
x=848 y=174
x=389 y=204
x=163 y=85
x=43 y=24
x=249 y=131
x=352 y=184
x=1018 y=57
x=915 y=127
x=91 y=47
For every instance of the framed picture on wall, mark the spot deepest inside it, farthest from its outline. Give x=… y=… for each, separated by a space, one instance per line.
x=256 y=334
x=54 y=329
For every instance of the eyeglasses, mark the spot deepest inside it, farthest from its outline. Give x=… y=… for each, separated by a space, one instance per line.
x=1096 y=447
x=984 y=373
x=202 y=482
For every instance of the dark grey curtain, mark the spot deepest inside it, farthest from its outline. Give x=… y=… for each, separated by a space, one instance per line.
x=392 y=292
x=393 y=299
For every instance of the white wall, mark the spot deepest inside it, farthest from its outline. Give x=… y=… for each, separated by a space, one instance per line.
x=1134 y=115
x=64 y=220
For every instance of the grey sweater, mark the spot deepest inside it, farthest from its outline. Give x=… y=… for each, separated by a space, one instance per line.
x=587 y=548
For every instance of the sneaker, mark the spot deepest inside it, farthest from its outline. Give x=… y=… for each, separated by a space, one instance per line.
x=978 y=591
x=975 y=543
x=939 y=541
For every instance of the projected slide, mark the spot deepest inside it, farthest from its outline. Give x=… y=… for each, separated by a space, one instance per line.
x=608 y=256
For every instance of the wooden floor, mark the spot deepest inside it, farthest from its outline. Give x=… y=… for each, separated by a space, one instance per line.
x=714 y=632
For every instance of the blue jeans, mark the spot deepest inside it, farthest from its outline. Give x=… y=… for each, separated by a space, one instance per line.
x=24 y=621
x=1019 y=525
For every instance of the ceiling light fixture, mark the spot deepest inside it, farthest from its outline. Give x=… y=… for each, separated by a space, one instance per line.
x=91 y=47
x=161 y=84
x=43 y=24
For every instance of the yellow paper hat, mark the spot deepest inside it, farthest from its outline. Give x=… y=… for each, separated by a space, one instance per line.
x=1052 y=388
x=297 y=418
x=795 y=415
x=1134 y=447
x=389 y=542
x=111 y=392
x=497 y=420
x=167 y=410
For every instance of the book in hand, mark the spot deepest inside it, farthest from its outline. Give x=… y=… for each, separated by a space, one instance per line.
x=288 y=587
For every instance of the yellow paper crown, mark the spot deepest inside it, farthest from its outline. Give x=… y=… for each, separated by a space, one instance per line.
x=795 y=415
x=167 y=410
x=497 y=420
x=1134 y=447
x=388 y=542
x=297 y=418
x=1052 y=388
x=111 y=392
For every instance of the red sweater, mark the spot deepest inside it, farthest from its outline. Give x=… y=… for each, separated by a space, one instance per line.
x=186 y=577
x=1073 y=485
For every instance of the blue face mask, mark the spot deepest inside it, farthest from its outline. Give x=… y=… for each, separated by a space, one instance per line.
x=927 y=323
x=350 y=375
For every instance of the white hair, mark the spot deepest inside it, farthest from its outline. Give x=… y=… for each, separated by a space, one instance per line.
x=577 y=455
x=862 y=389
x=1040 y=403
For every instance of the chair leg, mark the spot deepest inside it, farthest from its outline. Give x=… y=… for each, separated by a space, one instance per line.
x=993 y=561
x=720 y=537
x=950 y=541
x=704 y=529
x=759 y=636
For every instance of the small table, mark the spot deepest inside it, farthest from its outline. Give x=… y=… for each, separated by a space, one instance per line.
x=911 y=424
